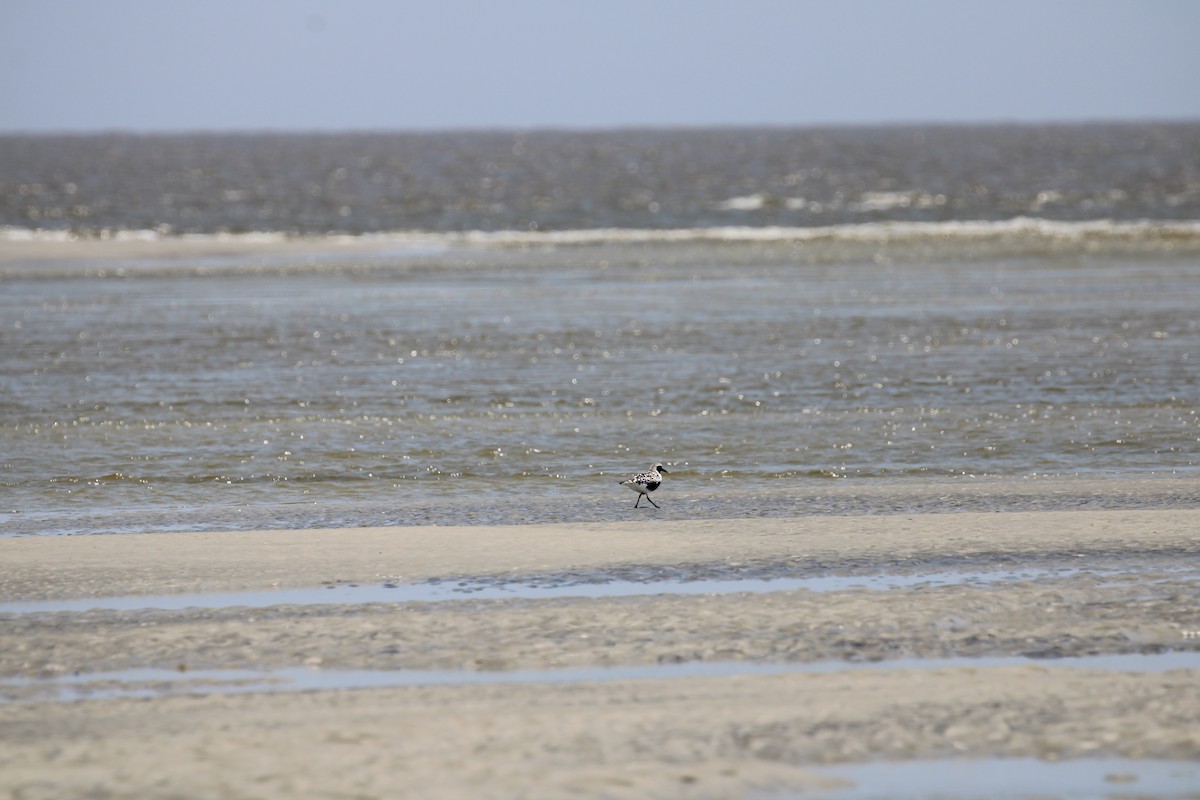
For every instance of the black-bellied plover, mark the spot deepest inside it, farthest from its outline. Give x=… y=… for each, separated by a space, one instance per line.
x=646 y=483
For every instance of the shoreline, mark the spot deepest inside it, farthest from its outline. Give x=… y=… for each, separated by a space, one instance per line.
x=707 y=502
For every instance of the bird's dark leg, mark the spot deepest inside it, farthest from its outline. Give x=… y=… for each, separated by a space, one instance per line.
x=635 y=502
x=652 y=502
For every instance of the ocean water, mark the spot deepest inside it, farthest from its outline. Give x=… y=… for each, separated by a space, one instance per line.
x=525 y=318
x=575 y=180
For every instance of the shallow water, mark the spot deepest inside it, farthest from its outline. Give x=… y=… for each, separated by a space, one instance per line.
x=448 y=395
x=157 y=682
x=599 y=585
x=525 y=318
x=1006 y=779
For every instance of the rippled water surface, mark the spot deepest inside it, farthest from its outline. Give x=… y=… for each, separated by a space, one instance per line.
x=570 y=180
x=520 y=320
x=417 y=386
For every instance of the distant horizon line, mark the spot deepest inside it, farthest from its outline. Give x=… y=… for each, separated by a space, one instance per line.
x=614 y=128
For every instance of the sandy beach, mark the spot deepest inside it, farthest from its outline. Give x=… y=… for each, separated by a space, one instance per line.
x=1011 y=680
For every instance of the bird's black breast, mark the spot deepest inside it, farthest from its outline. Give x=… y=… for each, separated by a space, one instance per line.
x=652 y=485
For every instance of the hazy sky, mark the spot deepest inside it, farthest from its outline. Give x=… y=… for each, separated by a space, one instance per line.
x=151 y=65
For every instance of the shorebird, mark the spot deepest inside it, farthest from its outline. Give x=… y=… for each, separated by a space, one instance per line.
x=645 y=483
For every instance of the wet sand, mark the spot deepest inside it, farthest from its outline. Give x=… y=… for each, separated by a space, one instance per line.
x=1118 y=582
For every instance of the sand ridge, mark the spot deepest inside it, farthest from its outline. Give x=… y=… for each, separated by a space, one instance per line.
x=84 y=566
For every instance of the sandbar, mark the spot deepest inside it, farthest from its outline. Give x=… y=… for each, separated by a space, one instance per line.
x=1126 y=582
